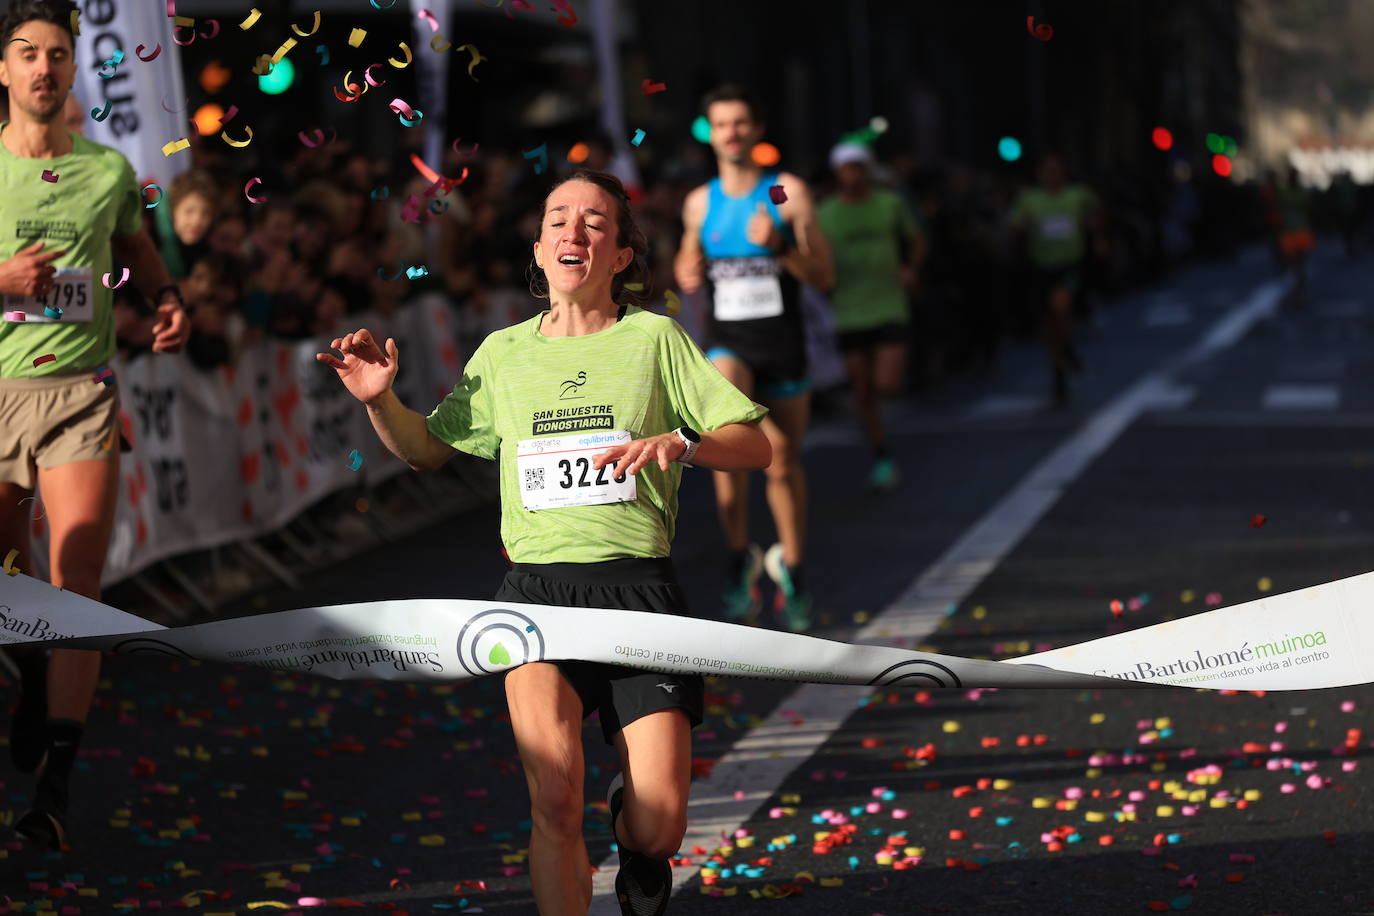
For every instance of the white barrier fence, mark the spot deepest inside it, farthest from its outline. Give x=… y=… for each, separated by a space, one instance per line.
x=235 y=453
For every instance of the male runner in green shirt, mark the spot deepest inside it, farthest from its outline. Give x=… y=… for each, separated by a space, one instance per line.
x=877 y=248
x=1057 y=220
x=68 y=208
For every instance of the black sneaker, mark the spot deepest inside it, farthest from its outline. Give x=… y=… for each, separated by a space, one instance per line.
x=643 y=885
x=44 y=829
x=29 y=724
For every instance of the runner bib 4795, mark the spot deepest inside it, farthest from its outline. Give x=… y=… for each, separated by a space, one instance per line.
x=71 y=299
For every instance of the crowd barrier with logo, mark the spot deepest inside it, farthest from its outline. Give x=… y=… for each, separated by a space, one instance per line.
x=235 y=453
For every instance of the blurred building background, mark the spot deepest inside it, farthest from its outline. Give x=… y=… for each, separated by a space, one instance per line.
x=1307 y=86
x=950 y=78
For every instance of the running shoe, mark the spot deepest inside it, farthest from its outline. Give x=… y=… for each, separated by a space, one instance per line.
x=29 y=724
x=790 y=601
x=883 y=475
x=1060 y=387
x=643 y=885
x=45 y=824
x=44 y=828
x=741 y=596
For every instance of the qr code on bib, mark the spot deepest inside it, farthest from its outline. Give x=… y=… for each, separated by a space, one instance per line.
x=534 y=478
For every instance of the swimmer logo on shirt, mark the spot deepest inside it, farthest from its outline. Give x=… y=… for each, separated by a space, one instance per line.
x=570 y=387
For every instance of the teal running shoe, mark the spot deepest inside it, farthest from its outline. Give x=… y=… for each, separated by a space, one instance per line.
x=884 y=475
x=791 y=602
x=741 y=596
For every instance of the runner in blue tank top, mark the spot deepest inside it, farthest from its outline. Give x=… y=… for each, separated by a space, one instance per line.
x=752 y=254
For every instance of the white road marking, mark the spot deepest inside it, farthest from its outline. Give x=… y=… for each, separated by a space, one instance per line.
x=1267 y=419
x=1318 y=368
x=1341 y=308
x=997 y=406
x=1167 y=314
x=756 y=766
x=1301 y=397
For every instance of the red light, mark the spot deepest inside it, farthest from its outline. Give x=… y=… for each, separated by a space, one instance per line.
x=1162 y=139
x=1221 y=165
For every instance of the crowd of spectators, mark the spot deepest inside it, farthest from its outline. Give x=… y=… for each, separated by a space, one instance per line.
x=302 y=262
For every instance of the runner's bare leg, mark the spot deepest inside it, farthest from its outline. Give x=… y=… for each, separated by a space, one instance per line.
x=546 y=717
x=785 y=427
x=79 y=503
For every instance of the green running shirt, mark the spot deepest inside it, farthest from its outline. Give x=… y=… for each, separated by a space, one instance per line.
x=95 y=198
x=1055 y=224
x=868 y=238
x=643 y=375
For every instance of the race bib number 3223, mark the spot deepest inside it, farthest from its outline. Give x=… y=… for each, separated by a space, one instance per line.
x=556 y=471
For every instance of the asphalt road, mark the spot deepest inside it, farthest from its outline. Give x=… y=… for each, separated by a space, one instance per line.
x=218 y=788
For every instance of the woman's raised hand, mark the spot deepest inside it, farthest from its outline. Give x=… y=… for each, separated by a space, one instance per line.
x=365 y=370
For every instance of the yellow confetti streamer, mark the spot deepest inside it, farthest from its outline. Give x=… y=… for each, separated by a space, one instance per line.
x=477 y=58
x=355 y=38
x=674 y=303
x=434 y=43
x=184 y=21
x=263 y=65
x=76 y=22
x=10 y=568
x=175 y=146
x=238 y=144
x=253 y=16
x=313 y=29
x=274 y=904
x=399 y=65
x=282 y=51
x=353 y=88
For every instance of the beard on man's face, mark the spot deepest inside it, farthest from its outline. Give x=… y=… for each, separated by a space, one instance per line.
x=43 y=108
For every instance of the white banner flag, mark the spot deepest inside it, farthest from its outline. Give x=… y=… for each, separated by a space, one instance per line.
x=134 y=94
x=431 y=74
x=1313 y=638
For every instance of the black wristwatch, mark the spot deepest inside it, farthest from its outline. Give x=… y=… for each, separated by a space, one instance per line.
x=692 y=440
x=170 y=288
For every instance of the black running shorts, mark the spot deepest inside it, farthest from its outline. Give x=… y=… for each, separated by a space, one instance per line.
x=621 y=695
x=872 y=338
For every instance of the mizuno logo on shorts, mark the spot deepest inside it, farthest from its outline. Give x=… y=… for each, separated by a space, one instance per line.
x=667 y=687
